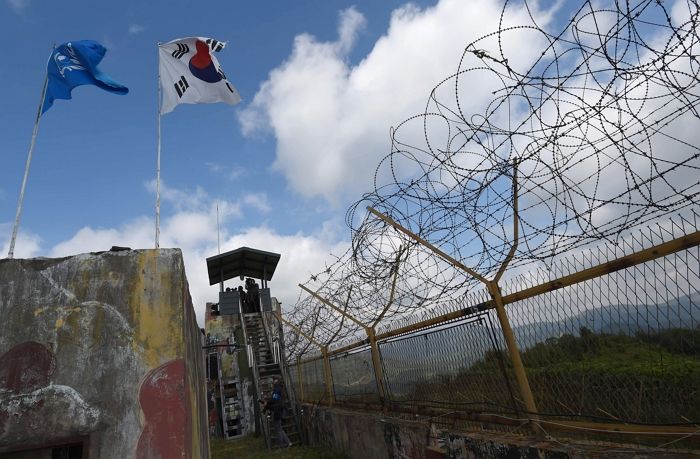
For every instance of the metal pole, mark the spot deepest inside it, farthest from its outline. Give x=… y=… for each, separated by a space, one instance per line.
x=393 y=288
x=326 y=359
x=15 y=228
x=328 y=374
x=300 y=377
x=427 y=244
x=376 y=362
x=332 y=306
x=160 y=97
x=513 y=351
x=218 y=232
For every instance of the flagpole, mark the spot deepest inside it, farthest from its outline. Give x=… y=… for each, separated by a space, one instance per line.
x=11 y=252
x=158 y=158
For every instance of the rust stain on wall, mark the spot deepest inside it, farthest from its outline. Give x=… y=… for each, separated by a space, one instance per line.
x=163 y=401
x=26 y=367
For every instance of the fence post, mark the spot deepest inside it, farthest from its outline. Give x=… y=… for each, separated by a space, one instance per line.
x=301 y=379
x=376 y=363
x=392 y=292
x=328 y=374
x=513 y=351
x=495 y=291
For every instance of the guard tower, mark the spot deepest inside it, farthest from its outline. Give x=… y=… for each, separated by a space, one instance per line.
x=243 y=263
x=244 y=338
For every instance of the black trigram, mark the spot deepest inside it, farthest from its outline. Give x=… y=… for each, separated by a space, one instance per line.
x=181 y=50
x=181 y=86
x=223 y=77
x=215 y=45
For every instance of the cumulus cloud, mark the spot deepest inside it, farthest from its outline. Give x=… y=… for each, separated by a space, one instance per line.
x=187 y=232
x=258 y=201
x=230 y=172
x=27 y=244
x=331 y=119
x=192 y=228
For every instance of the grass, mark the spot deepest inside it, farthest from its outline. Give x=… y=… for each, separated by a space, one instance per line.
x=254 y=448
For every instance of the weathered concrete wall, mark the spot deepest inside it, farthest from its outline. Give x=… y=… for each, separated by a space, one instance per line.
x=364 y=435
x=197 y=426
x=103 y=348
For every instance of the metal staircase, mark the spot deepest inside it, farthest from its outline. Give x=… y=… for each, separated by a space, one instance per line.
x=267 y=369
x=231 y=408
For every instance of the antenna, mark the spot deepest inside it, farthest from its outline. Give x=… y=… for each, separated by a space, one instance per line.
x=218 y=237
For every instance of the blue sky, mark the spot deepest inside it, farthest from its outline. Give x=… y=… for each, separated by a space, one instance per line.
x=91 y=181
x=322 y=83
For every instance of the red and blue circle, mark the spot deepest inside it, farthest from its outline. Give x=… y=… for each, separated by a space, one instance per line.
x=202 y=66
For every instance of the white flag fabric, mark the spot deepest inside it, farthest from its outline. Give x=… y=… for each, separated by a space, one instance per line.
x=191 y=74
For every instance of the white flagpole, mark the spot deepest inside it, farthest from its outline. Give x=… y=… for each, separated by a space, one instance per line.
x=11 y=252
x=158 y=159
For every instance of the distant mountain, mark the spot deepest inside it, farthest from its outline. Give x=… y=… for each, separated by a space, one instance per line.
x=683 y=312
x=453 y=349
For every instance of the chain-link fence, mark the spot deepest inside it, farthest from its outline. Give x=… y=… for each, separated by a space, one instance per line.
x=620 y=348
x=529 y=258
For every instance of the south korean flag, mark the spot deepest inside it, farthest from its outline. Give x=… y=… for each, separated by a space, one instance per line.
x=190 y=74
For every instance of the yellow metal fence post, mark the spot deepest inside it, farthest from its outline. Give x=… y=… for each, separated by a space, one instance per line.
x=300 y=377
x=376 y=363
x=513 y=351
x=494 y=290
x=328 y=375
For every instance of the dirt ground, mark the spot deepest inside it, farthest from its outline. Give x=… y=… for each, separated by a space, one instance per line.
x=254 y=448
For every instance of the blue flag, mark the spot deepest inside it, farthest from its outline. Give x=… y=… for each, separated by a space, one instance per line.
x=73 y=64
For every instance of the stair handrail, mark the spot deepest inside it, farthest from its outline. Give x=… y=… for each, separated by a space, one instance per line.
x=266 y=327
x=256 y=379
x=267 y=331
x=286 y=376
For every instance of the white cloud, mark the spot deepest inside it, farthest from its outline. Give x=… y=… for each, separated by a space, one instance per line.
x=194 y=233
x=230 y=172
x=258 y=201
x=192 y=228
x=27 y=244
x=19 y=6
x=135 y=29
x=331 y=119
x=302 y=254
x=188 y=200
x=138 y=233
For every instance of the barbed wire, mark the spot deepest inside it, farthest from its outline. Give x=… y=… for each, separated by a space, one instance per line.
x=593 y=125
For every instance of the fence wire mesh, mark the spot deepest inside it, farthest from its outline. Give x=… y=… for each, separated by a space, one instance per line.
x=314 y=381
x=620 y=347
x=574 y=160
x=457 y=365
x=354 y=378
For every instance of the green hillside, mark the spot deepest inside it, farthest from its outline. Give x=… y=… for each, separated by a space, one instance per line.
x=650 y=378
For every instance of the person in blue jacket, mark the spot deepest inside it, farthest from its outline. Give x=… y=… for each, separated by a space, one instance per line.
x=275 y=405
